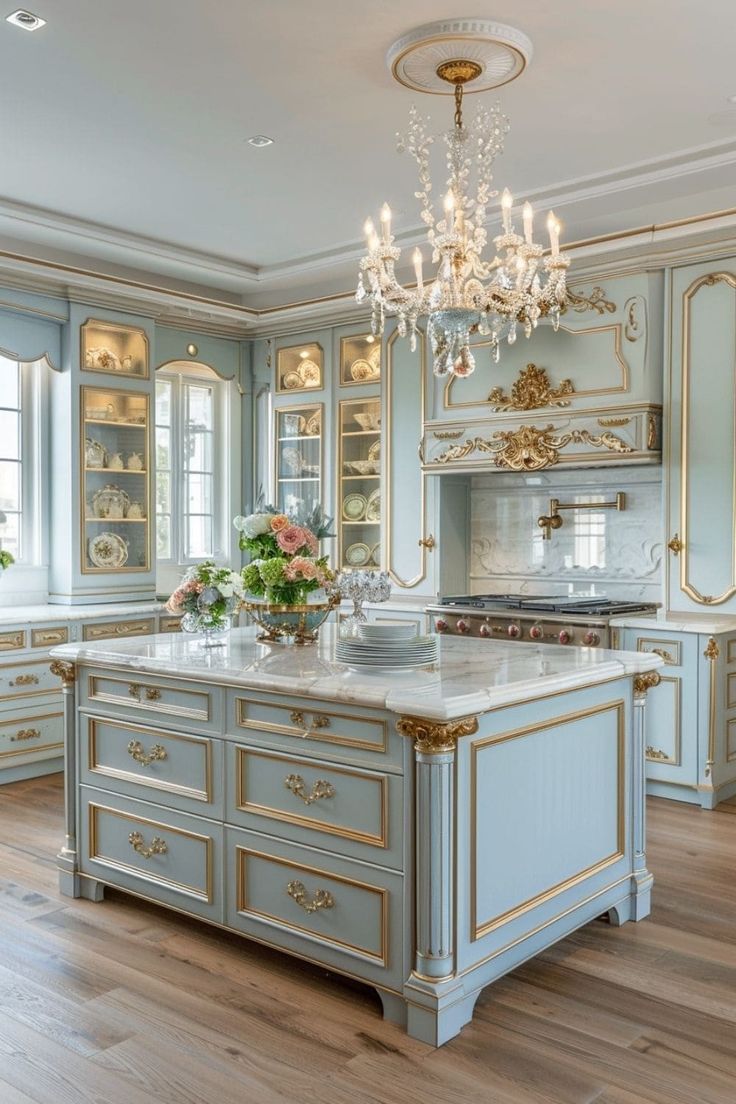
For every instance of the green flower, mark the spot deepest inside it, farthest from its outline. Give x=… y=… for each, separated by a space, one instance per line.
x=272 y=571
x=252 y=579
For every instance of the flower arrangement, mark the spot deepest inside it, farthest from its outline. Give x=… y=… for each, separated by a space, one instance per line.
x=207 y=596
x=5 y=560
x=285 y=567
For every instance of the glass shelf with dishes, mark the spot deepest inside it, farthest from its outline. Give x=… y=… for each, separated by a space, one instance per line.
x=298 y=444
x=360 y=359
x=116 y=349
x=115 y=481
x=299 y=368
x=359 y=484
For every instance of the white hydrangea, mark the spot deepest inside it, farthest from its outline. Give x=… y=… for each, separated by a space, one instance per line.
x=255 y=525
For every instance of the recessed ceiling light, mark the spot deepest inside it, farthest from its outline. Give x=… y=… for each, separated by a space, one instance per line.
x=259 y=140
x=25 y=19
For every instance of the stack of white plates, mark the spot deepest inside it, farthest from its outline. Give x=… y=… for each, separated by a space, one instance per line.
x=394 y=650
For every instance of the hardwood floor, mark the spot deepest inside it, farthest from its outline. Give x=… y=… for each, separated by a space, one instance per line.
x=125 y=1003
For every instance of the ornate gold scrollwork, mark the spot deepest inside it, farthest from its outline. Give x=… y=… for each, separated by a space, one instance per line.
x=322 y=899
x=666 y=656
x=646 y=681
x=447 y=434
x=675 y=545
x=138 y=752
x=432 y=737
x=319 y=720
x=609 y=423
x=427 y=542
x=596 y=301
x=531 y=391
x=152 y=693
x=528 y=448
x=712 y=651
x=651 y=431
x=26 y=734
x=157 y=845
x=655 y=753
x=320 y=790
x=25 y=680
x=65 y=671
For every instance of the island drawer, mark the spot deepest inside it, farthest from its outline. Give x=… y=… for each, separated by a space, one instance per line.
x=183 y=770
x=110 y=630
x=27 y=679
x=327 y=909
x=169 y=624
x=164 y=701
x=49 y=636
x=354 y=812
x=161 y=854
x=333 y=730
x=37 y=731
x=12 y=640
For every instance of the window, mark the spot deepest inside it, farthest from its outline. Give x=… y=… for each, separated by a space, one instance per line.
x=191 y=493
x=11 y=455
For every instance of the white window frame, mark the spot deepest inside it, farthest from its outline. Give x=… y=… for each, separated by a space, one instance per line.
x=33 y=460
x=221 y=480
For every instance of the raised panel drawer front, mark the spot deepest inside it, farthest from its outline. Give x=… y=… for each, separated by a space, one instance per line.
x=355 y=812
x=161 y=854
x=112 y=629
x=169 y=624
x=161 y=700
x=182 y=770
x=331 y=729
x=32 y=733
x=27 y=679
x=323 y=907
x=49 y=637
x=12 y=640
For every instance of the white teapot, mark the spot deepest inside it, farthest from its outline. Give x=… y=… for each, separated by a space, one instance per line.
x=135 y=462
x=115 y=462
x=135 y=510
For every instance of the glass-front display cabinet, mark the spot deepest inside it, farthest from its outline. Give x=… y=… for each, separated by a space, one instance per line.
x=359 y=484
x=298 y=434
x=300 y=368
x=360 y=359
x=115 y=481
x=114 y=348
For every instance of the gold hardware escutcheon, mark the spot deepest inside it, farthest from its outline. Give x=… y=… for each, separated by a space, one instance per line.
x=319 y=720
x=320 y=790
x=145 y=758
x=25 y=680
x=675 y=545
x=427 y=542
x=151 y=693
x=322 y=899
x=157 y=845
x=26 y=734
x=666 y=656
x=41 y=638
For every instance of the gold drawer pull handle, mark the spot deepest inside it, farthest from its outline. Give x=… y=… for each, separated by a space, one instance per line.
x=675 y=545
x=321 y=900
x=319 y=720
x=320 y=789
x=655 y=753
x=666 y=656
x=427 y=542
x=138 y=752
x=157 y=847
x=26 y=734
x=151 y=692
x=25 y=680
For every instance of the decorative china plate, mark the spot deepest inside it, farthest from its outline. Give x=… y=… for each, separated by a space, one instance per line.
x=108 y=550
x=354 y=507
x=357 y=555
x=361 y=370
x=313 y=426
x=373 y=506
x=292 y=380
x=308 y=373
x=374 y=452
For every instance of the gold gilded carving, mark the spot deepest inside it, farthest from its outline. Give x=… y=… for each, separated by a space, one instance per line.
x=634 y=318
x=156 y=847
x=320 y=790
x=26 y=734
x=64 y=670
x=595 y=301
x=25 y=680
x=675 y=545
x=137 y=752
x=613 y=422
x=447 y=434
x=655 y=753
x=432 y=737
x=528 y=448
x=322 y=898
x=646 y=681
x=531 y=391
x=651 y=431
x=712 y=651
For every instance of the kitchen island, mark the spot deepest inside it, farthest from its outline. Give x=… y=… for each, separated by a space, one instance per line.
x=422 y=831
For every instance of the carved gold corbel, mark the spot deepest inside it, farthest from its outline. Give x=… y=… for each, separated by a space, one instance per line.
x=531 y=391
x=65 y=671
x=433 y=737
x=646 y=681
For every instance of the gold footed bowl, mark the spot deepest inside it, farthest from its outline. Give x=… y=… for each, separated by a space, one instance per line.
x=299 y=623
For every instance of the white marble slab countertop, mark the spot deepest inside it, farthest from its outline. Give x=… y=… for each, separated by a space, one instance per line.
x=12 y=615
x=708 y=624
x=470 y=677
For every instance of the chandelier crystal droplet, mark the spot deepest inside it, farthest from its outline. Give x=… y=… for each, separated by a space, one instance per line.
x=467 y=295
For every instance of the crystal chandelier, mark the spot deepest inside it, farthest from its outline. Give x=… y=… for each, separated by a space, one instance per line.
x=515 y=288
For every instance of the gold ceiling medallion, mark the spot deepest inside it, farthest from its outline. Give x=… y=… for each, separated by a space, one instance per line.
x=433 y=737
x=646 y=681
x=459 y=71
x=531 y=391
x=65 y=671
x=595 y=301
x=528 y=448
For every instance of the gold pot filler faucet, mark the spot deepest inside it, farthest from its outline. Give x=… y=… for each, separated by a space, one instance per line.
x=552 y=520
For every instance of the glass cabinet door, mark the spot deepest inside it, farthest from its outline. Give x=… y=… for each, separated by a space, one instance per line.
x=115 y=481
x=299 y=457
x=360 y=359
x=299 y=368
x=359 y=477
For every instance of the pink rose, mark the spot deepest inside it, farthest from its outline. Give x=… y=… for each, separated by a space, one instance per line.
x=279 y=522
x=291 y=539
x=306 y=568
x=312 y=541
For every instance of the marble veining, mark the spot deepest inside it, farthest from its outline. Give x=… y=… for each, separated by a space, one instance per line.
x=469 y=677
x=20 y=615
x=706 y=624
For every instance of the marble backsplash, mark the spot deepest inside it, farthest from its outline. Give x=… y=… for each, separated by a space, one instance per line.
x=596 y=551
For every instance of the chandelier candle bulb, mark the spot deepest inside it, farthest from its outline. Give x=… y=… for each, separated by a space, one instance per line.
x=507 y=202
x=369 y=230
x=553 y=227
x=386 y=223
x=528 y=215
x=417 y=257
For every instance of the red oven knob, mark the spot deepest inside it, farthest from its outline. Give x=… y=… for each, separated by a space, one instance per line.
x=591 y=639
x=485 y=630
x=462 y=626
x=565 y=636
x=514 y=631
x=441 y=625
x=536 y=632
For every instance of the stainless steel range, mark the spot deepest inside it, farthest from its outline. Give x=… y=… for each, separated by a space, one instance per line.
x=555 y=619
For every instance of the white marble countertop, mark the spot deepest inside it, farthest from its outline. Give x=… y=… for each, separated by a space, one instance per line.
x=19 y=615
x=471 y=677
x=708 y=624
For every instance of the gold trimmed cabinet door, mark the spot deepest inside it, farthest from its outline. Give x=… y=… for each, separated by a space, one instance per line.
x=700 y=479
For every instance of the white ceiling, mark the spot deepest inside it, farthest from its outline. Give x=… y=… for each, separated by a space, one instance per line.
x=124 y=124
